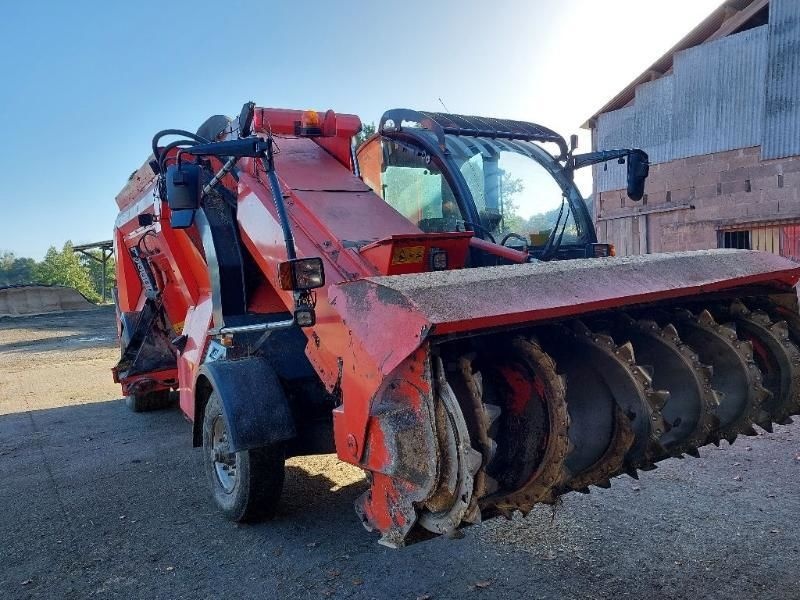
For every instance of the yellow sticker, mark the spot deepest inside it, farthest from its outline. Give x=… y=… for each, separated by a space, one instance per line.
x=408 y=255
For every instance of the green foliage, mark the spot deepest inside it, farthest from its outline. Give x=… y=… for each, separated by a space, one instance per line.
x=367 y=130
x=510 y=187
x=15 y=270
x=64 y=267
x=95 y=268
x=545 y=221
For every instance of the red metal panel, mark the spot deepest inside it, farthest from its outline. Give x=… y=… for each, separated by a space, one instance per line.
x=302 y=164
x=400 y=254
x=790 y=242
x=198 y=321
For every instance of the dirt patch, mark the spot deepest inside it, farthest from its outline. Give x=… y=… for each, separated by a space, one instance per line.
x=56 y=360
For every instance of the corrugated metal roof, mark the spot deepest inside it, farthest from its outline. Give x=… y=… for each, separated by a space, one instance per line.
x=782 y=107
x=730 y=15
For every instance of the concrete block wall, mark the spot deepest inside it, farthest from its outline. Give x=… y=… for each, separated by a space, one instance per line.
x=688 y=200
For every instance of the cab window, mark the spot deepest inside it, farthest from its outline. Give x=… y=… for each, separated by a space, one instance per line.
x=408 y=179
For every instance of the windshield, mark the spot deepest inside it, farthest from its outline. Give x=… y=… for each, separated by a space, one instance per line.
x=513 y=193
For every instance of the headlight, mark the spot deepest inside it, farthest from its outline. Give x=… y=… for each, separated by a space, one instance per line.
x=301 y=274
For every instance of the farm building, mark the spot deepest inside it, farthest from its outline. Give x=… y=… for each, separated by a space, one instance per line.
x=719 y=115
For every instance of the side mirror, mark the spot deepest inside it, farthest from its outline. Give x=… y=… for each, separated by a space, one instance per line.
x=573 y=143
x=638 y=170
x=246 y=119
x=183 y=194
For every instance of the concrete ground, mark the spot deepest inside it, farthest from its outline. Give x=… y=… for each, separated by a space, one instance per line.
x=96 y=501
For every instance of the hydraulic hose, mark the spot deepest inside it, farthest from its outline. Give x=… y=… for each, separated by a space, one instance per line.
x=162 y=159
x=280 y=207
x=157 y=137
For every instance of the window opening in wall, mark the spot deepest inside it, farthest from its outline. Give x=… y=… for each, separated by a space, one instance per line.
x=735 y=239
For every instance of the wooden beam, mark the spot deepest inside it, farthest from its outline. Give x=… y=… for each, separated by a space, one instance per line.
x=736 y=18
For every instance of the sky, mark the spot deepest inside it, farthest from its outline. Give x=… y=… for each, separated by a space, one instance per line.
x=85 y=85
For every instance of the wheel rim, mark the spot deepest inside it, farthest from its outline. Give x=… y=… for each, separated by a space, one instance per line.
x=226 y=463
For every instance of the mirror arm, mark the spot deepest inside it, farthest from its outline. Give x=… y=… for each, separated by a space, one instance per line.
x=579 y=161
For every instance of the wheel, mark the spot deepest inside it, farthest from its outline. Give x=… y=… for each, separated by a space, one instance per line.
x=148 y=401
x=246 y=485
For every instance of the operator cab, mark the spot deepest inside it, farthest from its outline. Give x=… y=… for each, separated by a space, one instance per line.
x=496 y=178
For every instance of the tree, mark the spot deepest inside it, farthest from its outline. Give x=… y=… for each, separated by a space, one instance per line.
x=510 y=187
x=94 y=267
x=15 y=270
x=367 y=130
x=65 y=268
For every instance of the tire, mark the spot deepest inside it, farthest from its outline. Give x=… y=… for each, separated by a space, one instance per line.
x=157 y=400
x=247 y=485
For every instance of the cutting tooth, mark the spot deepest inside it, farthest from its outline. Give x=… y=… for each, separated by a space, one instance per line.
x=786 y=421
x=705 y=318
x=602 y=338
x=670 y=331
x=780 y=329
x=738 y=308
x=604 y=484
x=759 y=316
x=660 y=397
x=766 y=425
x=473 y=516
x=477 y=380
x=647 y=376
x=580 y=328
x=491 y=412
x=625 y=352
x=491 y=450
x=729 y=329
x=631 y=472
x=491 y=485
x=693 y=452
x=648 y=370
x=708 y=372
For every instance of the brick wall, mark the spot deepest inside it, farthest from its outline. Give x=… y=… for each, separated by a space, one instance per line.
x=688 y=200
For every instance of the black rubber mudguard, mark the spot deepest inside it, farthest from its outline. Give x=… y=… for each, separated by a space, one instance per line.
x=255 y=406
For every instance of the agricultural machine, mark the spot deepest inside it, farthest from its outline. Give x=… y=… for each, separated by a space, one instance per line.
x=436 y=309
